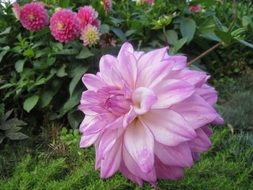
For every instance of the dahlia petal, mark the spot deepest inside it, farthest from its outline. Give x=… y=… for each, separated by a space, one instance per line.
x=111 y=161
x=86 y=121
x=108 y=70
x=129 y=117
x=127 y=66
x=92 y=82
x=134 y=168
x=151 y=58
x=141 y=148
x=208 y=93
x=201 y=143
x=125 y=47
x=196 y=111
x=196 y=78
x=152 y=75
x=168 y=172
x=143 y=99
x=130 y=175
x=179 y=155
x=88 y=140
x=138 y=54
x=168 y=127
x=172 y=92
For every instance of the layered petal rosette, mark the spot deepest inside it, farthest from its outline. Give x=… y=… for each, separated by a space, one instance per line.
x=147 y=115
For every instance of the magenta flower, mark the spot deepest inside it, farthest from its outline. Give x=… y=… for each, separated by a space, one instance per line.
x=195 y=8
x=147 y=115
x=90 y=35
x=64 y=25
x=33 y=16
x=88 y=15
x=149 y=2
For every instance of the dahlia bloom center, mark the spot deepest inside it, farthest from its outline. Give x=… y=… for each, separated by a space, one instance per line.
x=59 y=25
x=31 y=17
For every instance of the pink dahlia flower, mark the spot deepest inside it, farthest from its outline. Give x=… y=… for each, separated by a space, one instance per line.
x=64 y=25
x=33 y=16
x=147 y=115
x=88 y=15
x=107 y=5
x=195 y=8
x=90 y=35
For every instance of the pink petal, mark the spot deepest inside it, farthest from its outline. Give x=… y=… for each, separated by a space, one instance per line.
x=134 y=168
x=130 y=175
x=92 y=82
x=208 y=93
x=201 y=143
x=109 y=72
x=138 y=54
x=127 y=67
x=143 y=99
x=179 y=61
x=196 y=78
x=126 y=47
x=111 y=161
x=139 y=142
x=196 y=111
x=151 y=58
x=179 y=155
x=168 y=127
x=171 y=92
x=168 y=172
x=129 y=117
x=88 y=140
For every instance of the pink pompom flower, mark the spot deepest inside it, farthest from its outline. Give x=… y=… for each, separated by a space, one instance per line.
x=64 y=25
x=195 y=8
x=147 y=115
x=90 y=35
x=107 y=5
x=88 y=15
x=33 y=16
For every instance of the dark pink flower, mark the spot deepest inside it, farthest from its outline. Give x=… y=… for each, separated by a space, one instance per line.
x=195 y=8
x=88 y=15
x=33 y=16
x=64 y=25
x=147 y=114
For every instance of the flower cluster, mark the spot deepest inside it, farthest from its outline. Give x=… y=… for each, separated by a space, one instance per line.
x=147 y=114
x=65 y=25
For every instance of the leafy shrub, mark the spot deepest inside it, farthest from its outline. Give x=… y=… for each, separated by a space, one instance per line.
x=10 y=128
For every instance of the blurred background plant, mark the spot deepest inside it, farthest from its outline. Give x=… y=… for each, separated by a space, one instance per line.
x=40 y=80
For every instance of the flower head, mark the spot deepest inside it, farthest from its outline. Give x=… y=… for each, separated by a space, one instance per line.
x=89 y=35
x=107 y=5
x=195 y=8
x=147 y=114
x=64 y=25
x=33 y=16
x=88 y=15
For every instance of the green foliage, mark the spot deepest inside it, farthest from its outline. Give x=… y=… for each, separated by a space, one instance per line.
x=10 y=128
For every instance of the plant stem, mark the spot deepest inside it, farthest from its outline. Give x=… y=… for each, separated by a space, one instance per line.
x=205 y=53
x=165 y=36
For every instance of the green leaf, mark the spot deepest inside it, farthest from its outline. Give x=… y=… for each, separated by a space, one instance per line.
x=29 y=53
x=16 y=136
x=172 y=37
x=48 y=93
x=6 y=31
x=246 y=43
x=224 y=36
x=187 y=28
x=61 y=72
x=75 y=119
x=68 y=52
x=4 y=52
x=19 y=65
x=104 y=28
x=119 y=33
x=79 y=73
x=30 y=103
x=180 y=43
x=84 y=53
